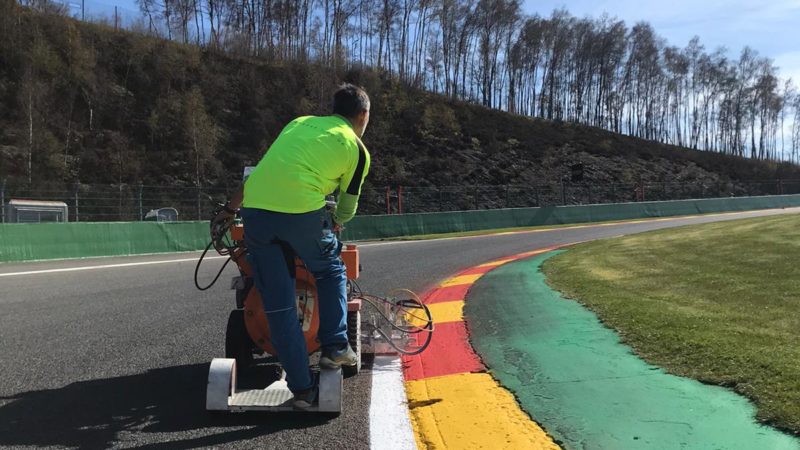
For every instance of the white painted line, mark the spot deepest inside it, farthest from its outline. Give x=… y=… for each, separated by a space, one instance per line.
x=389 y=425
x=106 y=266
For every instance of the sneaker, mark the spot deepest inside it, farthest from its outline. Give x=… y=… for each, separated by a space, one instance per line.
x=334 y=358
x=305 y=399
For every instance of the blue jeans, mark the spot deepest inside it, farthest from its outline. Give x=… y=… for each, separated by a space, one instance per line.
x=310 y=237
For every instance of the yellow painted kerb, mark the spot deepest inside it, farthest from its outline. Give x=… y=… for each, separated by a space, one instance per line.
x=535 y=252
x=499 y=262
x=470 y=411
x=440 y=312
x=461 y=279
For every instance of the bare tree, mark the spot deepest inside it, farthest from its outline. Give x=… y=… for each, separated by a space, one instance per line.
x=788 y=96
x=556 y=43
x=796 y=128
x=386 y=21
x=591 y=71
x=202 y=132
x=495 y=19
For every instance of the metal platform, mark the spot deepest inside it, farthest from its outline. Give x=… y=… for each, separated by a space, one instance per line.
x=222 y=395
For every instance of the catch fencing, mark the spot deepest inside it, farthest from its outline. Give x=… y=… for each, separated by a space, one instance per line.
x=32 y=241
x=132 y=202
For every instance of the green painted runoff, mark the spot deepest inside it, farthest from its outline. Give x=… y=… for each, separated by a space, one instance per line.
x=587 y=389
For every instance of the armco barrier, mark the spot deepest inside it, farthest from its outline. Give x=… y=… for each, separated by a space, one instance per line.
x=24 y=242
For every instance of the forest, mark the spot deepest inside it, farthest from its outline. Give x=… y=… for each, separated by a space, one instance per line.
x=600 y=72
x=466 y=95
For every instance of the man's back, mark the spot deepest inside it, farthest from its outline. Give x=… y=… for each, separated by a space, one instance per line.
x=310 y=158
x=284 y=202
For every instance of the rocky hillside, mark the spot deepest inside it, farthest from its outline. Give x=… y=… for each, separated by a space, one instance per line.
x=84 y=103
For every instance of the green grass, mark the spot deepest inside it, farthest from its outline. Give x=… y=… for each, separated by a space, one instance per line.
x=719 y=303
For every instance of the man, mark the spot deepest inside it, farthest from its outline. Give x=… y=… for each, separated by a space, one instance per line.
x=283 y=204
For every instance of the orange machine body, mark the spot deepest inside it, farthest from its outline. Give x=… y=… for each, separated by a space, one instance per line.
x=305 y=294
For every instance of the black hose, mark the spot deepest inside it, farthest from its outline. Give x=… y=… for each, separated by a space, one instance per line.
x=200 y=261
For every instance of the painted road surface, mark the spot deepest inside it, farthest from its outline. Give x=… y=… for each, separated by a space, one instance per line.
x=453 y=401
x=117 y=357
x=587 y=389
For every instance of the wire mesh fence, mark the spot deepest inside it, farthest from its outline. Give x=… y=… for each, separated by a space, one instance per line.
x=408 y=199
x=125 y=202
x=112 y=203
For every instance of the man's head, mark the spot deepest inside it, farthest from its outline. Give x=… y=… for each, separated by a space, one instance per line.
x=352 y=103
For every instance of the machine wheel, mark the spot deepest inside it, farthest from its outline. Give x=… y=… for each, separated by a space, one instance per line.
x=238 y=344
x=354 y=338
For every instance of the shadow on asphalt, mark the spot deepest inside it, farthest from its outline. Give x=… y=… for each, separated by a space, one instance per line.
x=98 y=413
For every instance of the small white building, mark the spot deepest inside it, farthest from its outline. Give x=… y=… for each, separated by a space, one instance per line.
x=35 y=211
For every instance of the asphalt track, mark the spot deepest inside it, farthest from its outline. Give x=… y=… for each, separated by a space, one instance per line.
x=118 y=357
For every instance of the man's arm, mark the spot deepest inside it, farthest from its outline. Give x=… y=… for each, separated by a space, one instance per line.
x=350 y=187
x=231 y=206
x=236 y=198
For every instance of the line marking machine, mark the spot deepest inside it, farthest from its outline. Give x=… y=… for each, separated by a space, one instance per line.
x=397 y=324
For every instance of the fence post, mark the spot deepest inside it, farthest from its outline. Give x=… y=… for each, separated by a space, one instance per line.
x=563 y=193
x=589 y=191
x=388 y=204
x=399 y=199
x=441 y=203
x=141 y=211
x=77 y=204
x=3 y=201
x=780 y=187
x=198 y=202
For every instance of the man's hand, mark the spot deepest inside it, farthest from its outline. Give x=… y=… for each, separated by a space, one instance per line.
x=221 y=221
x=337 y=228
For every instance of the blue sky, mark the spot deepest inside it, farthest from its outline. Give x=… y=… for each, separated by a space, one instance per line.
x=771 y=27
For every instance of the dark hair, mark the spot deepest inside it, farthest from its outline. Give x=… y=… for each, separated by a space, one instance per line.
x=350 y=100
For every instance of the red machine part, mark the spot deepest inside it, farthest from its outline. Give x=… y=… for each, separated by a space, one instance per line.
x=305 y=292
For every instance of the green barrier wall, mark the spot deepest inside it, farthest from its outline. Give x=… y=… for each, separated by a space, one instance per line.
x=376 y=227
x=25 y=242
x=32 y=241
